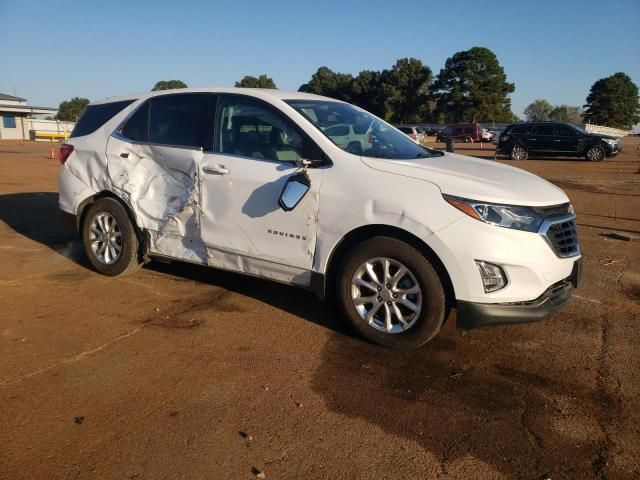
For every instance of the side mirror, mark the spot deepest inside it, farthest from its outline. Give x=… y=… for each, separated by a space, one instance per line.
x=294 y=191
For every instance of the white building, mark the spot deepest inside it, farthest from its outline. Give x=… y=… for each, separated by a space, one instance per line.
x=15 y=115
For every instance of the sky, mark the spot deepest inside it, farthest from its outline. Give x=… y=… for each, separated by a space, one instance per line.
x=54 y=50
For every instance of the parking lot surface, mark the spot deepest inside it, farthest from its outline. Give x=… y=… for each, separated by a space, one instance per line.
x=179 y=371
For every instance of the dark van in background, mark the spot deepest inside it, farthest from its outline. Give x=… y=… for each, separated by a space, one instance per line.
x=461 y=132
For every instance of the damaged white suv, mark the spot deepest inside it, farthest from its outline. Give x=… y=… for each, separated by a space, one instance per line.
x=252 y=181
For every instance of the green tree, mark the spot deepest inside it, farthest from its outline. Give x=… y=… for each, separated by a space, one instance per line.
x=168 y=85
x=71 y=110
x=566 y=113
x=473 y=86
x=330 y=84
x=613 y=101
x=256 y=82
x=538 y=111
x=367 y=92
x=406 y=89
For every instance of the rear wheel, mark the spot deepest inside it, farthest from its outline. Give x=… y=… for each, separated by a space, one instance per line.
x=595 y=153
x=110 y=239
x=518 y=152
x=391 y=293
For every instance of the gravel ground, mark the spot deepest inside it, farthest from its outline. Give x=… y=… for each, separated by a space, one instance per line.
x=179 y=371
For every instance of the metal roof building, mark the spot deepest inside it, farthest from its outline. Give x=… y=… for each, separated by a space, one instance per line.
x=14 y=113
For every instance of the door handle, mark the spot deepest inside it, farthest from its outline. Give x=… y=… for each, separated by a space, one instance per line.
x=215 y=169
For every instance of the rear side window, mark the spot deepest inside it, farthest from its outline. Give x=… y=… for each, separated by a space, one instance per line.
x=179 y=120
x=521 y=130
x=137 y=126
x=96 y=116
x=564 y=131
x=544 y=130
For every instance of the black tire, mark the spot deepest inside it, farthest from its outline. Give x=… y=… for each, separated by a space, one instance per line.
x=129 y=259
x=432 y=314
x=595 y=153
x=518 y=153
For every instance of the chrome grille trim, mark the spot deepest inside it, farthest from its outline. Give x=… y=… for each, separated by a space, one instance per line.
x=562 y=236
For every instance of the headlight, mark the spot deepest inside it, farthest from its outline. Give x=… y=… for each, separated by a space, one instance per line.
x=610 y=142
x=508 y=216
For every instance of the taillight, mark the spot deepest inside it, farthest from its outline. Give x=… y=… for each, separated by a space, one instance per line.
x=65 y=151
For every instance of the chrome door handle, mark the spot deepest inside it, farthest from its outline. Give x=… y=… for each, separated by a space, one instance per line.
x=215 y=169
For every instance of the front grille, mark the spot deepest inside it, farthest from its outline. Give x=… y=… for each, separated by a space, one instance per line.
x=563 y=238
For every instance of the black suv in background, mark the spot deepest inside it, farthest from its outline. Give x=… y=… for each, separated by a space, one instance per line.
x=542 y=139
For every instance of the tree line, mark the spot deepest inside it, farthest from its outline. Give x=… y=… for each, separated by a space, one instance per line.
x=471 y=87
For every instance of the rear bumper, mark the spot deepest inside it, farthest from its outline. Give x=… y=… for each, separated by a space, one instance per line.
x=473 y=315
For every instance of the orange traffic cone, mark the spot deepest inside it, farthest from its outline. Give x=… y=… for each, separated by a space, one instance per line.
x=52 y=154
x=21 y=142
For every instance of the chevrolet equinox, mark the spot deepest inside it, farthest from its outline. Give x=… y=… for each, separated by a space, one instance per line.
x=253 y=181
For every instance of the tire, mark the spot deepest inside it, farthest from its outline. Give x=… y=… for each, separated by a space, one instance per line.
x=595 y=153
x=123 y=255
x=419 y=326
x=518 y=152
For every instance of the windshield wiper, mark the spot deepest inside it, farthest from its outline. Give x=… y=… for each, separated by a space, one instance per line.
x=423 y=155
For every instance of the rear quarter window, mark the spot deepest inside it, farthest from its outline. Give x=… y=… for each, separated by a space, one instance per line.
x=95 y=116
x=521 y=130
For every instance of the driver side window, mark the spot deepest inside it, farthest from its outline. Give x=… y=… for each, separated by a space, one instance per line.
x=248 y=128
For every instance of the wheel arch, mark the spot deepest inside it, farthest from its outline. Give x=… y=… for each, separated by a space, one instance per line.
x=324 y=283
x=83 y=207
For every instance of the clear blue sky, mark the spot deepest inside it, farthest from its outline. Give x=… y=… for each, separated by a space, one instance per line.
x=54 y=50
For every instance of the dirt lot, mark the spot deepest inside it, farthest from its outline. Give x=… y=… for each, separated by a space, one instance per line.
x=182 y=372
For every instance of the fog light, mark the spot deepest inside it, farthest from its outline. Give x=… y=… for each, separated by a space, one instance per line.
x=493 y=277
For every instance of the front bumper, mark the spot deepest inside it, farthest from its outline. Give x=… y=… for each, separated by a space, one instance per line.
x=473 y=315
x=615 y=149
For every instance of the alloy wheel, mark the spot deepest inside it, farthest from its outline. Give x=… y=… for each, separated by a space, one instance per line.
x=386 y=295
x=595 y=154
x=105 y=238
x=518 y=153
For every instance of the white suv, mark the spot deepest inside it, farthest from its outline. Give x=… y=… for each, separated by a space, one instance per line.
x=252 y=181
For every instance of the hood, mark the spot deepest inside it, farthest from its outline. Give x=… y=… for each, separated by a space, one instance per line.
x=476 y=179
x=604 y=137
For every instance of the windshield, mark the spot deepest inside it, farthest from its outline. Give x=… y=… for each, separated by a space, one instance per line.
x=357 y=131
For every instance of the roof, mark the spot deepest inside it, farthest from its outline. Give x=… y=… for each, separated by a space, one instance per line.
x=26 y=109
x=270 y=93
x=4 y=96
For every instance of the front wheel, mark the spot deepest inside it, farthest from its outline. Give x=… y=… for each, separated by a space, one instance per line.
x=391 y=294
x=595 y=153
x=518 y=152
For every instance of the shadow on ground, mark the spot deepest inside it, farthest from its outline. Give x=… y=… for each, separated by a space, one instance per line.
x=36 y=216
x=457 y=399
